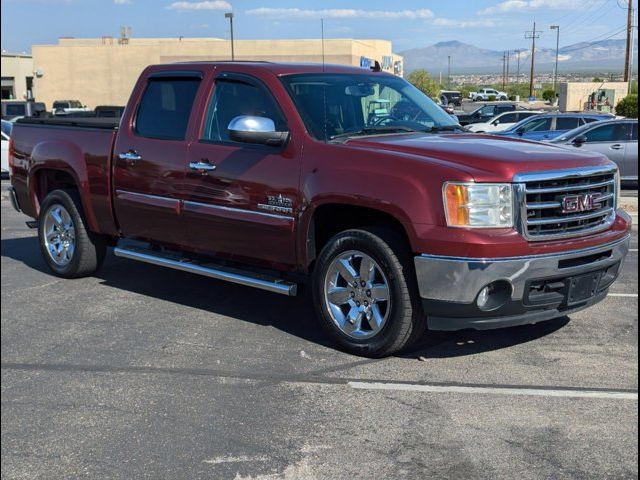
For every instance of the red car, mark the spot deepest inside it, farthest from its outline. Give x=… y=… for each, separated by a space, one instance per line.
x=270 y=175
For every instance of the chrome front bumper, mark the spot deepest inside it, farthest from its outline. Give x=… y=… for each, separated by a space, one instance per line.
x=449 y=286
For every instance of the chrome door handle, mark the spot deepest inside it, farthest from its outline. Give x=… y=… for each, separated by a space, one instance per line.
x=130 y=157
x=617 y=146
x=202 y=166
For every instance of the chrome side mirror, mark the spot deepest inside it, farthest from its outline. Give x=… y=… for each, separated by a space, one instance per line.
x=252 y=129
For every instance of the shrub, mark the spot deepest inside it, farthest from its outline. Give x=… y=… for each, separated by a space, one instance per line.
x=628 y=107
x=423 y=82
x=491 y=98
x=549 y=95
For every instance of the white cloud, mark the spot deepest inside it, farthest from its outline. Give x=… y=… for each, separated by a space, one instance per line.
x=508 y=6
x=449 y=22
x=205 y=5
x=340 y=13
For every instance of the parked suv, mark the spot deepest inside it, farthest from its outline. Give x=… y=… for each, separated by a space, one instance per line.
x=485 y=113
x=485 y=94
x=17 y=108
x=451 y=97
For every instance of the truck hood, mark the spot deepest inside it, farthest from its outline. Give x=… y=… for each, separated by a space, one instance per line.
x=486 y=158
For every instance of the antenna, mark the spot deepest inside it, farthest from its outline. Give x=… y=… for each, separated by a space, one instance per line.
x=322 y=40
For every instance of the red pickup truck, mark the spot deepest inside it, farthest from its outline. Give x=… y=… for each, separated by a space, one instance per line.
x=270 y=175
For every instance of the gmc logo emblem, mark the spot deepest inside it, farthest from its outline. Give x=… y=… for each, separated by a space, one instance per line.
x=580 y=203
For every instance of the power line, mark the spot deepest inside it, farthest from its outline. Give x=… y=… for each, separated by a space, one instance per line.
x=597 y=14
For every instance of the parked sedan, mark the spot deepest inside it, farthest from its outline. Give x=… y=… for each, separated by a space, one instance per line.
x=503 y=121
x=617 y=139
x=548 y=126
x=6 y=134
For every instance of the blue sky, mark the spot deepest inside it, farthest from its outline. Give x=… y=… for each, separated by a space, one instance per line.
x=493 y=24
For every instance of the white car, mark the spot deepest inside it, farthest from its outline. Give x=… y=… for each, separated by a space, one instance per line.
x=65 y=107
x=502 y=121
x=485 y=94
x=6 y=133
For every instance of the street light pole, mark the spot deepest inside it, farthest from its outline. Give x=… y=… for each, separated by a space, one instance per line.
x=229 y=15
x=555 y=75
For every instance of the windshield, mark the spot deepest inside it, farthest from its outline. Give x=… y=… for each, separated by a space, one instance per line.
x=337 y=105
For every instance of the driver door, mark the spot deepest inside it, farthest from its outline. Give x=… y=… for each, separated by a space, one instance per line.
x=242 y=206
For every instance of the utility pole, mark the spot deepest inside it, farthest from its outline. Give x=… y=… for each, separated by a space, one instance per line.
x=518 y=74
x=532 y=35
x=448 y=71
x=555 y=73
x=627 y=57
x=229 y=15
x=504 y=64
x=508 y=56
x=631 y=55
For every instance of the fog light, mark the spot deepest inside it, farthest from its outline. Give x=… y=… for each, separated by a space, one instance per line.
x=494 y=296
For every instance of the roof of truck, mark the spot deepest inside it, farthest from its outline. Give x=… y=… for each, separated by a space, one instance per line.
x=282 y=68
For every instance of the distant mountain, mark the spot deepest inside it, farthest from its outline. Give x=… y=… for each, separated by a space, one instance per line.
x=466 y=58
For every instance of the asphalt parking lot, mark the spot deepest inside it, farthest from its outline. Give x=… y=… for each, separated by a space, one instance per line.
x=142 y=372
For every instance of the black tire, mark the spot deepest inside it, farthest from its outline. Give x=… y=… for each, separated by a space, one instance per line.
x=90 y=248
x=405 y=322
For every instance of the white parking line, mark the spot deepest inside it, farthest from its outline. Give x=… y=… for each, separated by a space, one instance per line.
x=628 y=295
x=633 y=249
x=538 y=392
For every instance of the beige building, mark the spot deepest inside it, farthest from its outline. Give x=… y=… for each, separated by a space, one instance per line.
x=17 y=76
x=581 y=96
x=103 y=71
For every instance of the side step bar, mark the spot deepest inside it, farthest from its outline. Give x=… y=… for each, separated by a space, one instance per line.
x=249 y=279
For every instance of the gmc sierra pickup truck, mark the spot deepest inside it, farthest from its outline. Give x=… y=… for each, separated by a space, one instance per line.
x=270 y=175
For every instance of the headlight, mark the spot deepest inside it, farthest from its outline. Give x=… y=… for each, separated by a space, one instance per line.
x=479 y=205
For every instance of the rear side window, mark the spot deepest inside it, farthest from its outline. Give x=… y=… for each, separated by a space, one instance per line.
x=16 y=110
x=538 y=125
x=567 y=123
x=509 y=118
x=608 y=133
x=165 y=108
x=634 y=131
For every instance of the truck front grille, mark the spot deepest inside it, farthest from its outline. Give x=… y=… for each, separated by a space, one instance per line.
x=548 y=199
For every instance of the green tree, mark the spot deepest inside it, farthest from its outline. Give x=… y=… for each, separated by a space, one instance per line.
x=423 y=82
x=597 y=80
x=628 y=107
x=549 y=95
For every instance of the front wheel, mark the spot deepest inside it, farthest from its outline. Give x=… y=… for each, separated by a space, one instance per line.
x=365 y=293
x=67 y=246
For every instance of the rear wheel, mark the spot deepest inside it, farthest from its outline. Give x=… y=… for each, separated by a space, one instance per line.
x=365 y=293
x=67 y=246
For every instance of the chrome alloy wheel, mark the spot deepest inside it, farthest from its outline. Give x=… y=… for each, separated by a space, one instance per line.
x=357 y=294
x=59 y=235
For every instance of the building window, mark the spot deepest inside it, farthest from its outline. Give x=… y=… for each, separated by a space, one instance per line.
x=29 y=81
x=8 y=92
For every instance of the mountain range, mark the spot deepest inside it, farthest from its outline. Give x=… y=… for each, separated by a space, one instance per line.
x=465 y=58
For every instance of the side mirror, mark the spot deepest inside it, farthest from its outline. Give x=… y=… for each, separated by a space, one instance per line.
x=260 y=130
x=579 y=140
x=495 y=122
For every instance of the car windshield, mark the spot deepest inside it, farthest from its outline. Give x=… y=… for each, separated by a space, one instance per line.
x=342 y=105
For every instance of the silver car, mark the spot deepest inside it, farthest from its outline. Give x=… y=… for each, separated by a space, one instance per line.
x=617 y=139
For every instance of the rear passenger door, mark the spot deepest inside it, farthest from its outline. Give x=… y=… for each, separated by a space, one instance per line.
x=629 y=171
x=151 y=158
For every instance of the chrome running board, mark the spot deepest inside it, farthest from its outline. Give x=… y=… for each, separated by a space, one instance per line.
x=249 y=279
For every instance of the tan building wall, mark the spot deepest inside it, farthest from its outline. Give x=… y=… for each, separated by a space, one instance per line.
x=575 y=96
x=103 y=71
x=15 y=71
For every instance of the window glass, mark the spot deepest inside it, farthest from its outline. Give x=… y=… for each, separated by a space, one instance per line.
x=58 y=105
x=488 y=110
x=538 y=125
x=165 y=108
x=354 y=104
x=634 y=131
x=232 y=99
x=607 y=133
x=508 y=118
x=6 y=128
x=567 y=123
x=589 y=120
x=16 y=109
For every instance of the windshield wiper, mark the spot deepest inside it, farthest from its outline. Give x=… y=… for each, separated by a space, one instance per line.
x=374 y=130
x=446 y=128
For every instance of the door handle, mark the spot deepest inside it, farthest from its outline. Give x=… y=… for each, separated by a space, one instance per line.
x=131 y=157
x=617 y=146
x=202 y=166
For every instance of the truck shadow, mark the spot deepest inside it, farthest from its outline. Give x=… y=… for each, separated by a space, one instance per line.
x=293 y=316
